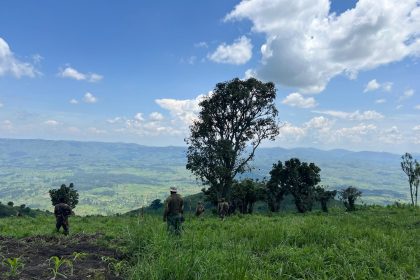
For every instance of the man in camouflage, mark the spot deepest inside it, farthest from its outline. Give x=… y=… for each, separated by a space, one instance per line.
x=223 y=208
x=174 y=208
x=199 y=209
x=62 y=211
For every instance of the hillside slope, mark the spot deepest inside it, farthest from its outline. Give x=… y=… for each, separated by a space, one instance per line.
x=117 y=177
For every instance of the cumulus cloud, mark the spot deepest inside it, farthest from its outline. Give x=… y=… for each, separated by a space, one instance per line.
x=297 y=100
x=416 y=128
x=240 y=52
x=201 y=45
x=72 y=73
x=417 y=107
x=89 y=98
x=391 y=136
x=374 y=85
x=156 y=116
x=307 y=45
x=10 y=65
x=73 y=101
x=185 y=110
x=320 y=123
x=353 y=116
x=380 y=101
x=51 y=123
x=356 y=133
x=290 y=132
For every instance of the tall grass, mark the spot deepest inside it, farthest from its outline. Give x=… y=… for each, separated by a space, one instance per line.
x=373 y=243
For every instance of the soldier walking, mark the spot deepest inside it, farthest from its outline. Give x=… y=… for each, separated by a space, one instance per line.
x=223 y=208
x=62 y=211
x=174 y=208
x=199 y=209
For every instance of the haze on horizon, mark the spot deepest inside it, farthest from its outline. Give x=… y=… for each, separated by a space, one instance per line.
x=346 y=71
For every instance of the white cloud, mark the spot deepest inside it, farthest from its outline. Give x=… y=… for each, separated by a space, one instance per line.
x=72 y=73
x=185 y=110
x=73 y=101
x=387 y=86
x=416 y=128
x=380 y=101
x=353 y=116
x=297 y=100
x=9 y=64
x=240 y=52
x=290 y=132
x=417 y=107
x=156 y=116
x=372 y=85
x=201 y=45
x=307 y=45
x=89 y=98
x=406 y=95
x=51 y=123
x=356 y=133
x=115 y=120
x=391 y=136
x=320 y=123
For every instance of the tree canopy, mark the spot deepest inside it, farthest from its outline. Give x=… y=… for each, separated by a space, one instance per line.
x=232 y=123
x=294 y=177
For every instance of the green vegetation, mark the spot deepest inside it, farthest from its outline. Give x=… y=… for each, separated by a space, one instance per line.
x=116 y=178
x=371 y=243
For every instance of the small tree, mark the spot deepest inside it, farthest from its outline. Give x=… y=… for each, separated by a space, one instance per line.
x=156 y=204
x=409 y=166
x=349 y=197
x=244 y=195
x=10 y=203
x=69 y=194
x=323 y=196
x=232 y=123
x=299 y=179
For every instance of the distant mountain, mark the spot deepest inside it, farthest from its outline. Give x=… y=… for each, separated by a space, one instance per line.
x=118 y=177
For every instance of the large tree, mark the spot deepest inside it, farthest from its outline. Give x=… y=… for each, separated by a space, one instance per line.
x=349 y=197
x=244 y=195
x=232 y=123
x=412 y=169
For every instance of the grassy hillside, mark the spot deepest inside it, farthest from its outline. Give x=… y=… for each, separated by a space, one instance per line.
x=373 y=243
x=116 y=177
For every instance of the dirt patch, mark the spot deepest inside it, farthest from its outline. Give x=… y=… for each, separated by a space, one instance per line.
x=86 y=259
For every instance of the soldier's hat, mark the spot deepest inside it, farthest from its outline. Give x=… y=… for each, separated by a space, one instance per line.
x=173 y=189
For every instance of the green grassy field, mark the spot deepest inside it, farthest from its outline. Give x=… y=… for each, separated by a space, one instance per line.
x=372 y=243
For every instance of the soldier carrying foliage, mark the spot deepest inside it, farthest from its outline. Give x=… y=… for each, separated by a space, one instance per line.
x=174 y=208
x=62 y=211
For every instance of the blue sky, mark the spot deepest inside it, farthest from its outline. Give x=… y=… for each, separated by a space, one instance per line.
x=133 y=71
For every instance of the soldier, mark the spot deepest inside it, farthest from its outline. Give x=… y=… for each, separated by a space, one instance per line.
x=223 y=208
x=174 y=208
x=62 y=211
x=199 y=209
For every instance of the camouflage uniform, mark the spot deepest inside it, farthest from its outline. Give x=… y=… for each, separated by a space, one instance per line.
x=223 y=208
x=200 y=209
x=174 y=208
x=62 y=211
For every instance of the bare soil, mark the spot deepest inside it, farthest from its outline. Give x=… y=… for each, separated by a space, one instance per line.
x=35 y=252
